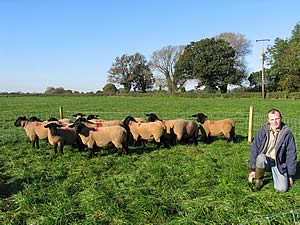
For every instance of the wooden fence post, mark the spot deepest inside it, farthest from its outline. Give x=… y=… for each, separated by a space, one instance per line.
x=61 y=112
x=250 y=125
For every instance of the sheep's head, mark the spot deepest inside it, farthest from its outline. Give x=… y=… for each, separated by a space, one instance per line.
x=90 y=117
x=128 y=119
x=152 y=117
x=35 y=119
x=78 y=115
x=53 y=127
x=18 y=121
x=80 y=128
x=200 y=117
x=52 y=119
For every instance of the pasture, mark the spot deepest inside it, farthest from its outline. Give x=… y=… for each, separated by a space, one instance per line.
x=185 y=184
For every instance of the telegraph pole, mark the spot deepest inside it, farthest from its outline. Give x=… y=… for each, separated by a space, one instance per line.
x=262 y=67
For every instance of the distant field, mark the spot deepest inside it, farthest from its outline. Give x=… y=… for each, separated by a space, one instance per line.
x=186 y=184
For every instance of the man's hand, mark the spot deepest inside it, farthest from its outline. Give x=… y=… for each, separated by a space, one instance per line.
x=251 y=176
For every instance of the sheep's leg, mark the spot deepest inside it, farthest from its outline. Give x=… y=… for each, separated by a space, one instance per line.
x=80 y=145
x=37 y=143
x=232 y=135
x=120 y=150
x=227 y=137
x=91 y=153
x=158 y=144
x=195 y=140
x=207 y=139
x=55 y=149
x=125 y=149
x=33 y=144
x=172 y=137
x=163 y=139
x=61 y=148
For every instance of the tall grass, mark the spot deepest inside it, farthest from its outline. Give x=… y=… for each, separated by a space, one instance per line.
x=186 y=184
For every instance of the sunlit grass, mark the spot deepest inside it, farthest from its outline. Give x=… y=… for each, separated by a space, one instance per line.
x=186 y=184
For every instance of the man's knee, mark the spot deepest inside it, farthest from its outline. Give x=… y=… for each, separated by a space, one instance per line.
x=281 y=188
x=260 y=161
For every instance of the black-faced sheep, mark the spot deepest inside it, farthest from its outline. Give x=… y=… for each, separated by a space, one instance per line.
x=34 y=129
x=102 y=137
x=154 y=131
x=215 y=128
x=59 y=137
x=178 y=130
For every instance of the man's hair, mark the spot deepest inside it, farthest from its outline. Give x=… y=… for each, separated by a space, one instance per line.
x=273 y=111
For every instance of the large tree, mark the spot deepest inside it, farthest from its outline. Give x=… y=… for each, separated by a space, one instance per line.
x=164 y=61
x=270 y=81
x=131 y=71
x=284 y=61
x=242 y=49
x=211 y=62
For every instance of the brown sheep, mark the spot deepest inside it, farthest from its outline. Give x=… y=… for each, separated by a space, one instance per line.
x=102 y=137
x=215 y=128
x=59 y=137
x=34 y=129
x=178 y=130
x=155 y=131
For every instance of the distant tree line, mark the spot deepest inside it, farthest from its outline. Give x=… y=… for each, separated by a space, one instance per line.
x=214 y=63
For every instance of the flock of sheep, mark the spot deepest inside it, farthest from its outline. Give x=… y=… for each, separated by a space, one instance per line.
x=90 y=132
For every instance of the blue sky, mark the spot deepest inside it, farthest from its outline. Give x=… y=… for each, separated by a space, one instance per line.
x=72 y=43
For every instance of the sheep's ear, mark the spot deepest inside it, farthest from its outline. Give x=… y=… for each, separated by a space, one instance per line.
x=195 y=115
x=52 y=119
x=78 y=114
x=150 y=114
x=47 y=126
x=90 y=117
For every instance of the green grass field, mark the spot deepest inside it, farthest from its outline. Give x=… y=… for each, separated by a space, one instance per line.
x=186 y=184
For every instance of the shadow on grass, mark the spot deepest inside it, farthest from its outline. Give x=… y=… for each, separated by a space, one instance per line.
x=142 y=150
x=239 y=139
x=9 y=189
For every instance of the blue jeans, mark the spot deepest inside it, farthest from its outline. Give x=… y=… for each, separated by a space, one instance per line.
x=281 y=181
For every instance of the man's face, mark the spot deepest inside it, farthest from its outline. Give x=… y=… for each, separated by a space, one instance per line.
x=274 y=120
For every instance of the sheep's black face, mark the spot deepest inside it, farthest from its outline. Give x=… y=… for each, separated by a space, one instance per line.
x=18 y=122
x=78 y=127
x=78 y=115
x=200 y=117
x=152 y=117
x=53 y=119
x=34 y=118
x=90 y=117
x=129 y=118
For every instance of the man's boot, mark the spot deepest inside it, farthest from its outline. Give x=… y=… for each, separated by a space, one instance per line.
x=259 y=174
